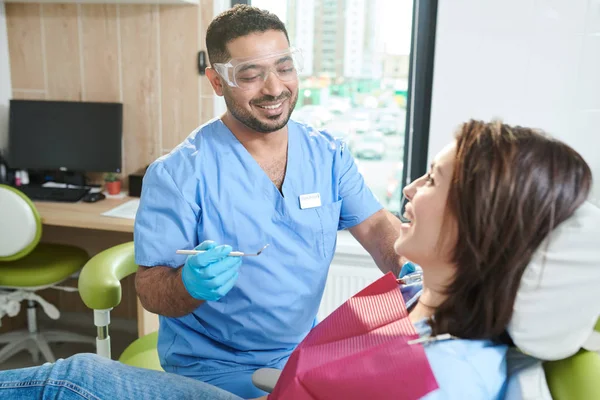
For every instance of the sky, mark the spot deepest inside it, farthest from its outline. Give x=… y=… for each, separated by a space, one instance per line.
x=395 y=16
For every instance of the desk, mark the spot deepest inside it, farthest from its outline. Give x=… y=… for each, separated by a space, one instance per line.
x=81 y=224
x=84 y=215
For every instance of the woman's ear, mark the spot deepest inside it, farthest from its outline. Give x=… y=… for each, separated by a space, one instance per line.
x=215 y=80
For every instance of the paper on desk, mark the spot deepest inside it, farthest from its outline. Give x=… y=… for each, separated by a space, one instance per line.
x=120 y=195
x=125 y=210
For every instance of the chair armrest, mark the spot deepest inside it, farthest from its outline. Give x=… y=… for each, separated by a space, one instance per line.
x=528 y=383
x=266 y=378
x=575 y=377
x=99 y=280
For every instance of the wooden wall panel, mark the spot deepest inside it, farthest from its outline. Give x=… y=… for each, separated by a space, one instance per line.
x=206 y=88
x=205 y=15
x=178 y=72
x=141 y=85
x=143 y=55
x=206 y=91
x=24 y=29
x=28 y=95
x=100 y=45
x=207 y=109
x=60 y=32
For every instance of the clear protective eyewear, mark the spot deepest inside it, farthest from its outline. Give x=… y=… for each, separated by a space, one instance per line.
x=251 y=73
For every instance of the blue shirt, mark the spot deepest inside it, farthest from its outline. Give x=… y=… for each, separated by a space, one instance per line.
x=210 y=187
x=464 y=369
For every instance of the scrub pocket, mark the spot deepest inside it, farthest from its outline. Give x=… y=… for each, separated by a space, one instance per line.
x=329 y=215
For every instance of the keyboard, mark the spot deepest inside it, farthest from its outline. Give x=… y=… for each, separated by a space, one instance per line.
x=53 y=194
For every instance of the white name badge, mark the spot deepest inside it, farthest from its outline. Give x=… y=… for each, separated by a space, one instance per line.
x=310 y=200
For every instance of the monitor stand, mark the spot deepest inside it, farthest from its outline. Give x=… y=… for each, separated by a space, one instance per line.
x=73 y=178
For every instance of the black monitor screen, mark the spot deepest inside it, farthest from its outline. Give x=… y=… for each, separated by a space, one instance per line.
x=65 y=135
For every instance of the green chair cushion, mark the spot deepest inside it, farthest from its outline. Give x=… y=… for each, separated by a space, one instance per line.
x=142 y=353
x=45 y=265
x=574 y=378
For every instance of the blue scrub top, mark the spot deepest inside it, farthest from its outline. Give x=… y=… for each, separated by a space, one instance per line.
x=466 y=369
x=463 y=369
x=210 y=188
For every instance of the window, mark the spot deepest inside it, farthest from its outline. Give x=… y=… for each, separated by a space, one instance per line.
x=360 y=81
x=359 y=102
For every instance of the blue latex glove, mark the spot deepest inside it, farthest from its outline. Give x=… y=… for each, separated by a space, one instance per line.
x=408 y=268
x=210 y=275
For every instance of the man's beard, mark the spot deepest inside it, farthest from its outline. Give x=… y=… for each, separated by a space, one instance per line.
x=246 y=117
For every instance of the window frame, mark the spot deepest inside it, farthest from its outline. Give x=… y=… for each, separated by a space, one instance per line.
x=420 y=78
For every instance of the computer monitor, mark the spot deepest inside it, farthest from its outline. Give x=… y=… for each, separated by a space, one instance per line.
x=65 y=135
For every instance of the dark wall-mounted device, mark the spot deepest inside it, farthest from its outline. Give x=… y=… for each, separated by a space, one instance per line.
x=202 y=62
x=135 y=182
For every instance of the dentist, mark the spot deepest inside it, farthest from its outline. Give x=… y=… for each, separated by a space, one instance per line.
x=249 y=178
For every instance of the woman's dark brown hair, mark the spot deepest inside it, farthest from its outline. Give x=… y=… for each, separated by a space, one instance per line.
x=511 y=186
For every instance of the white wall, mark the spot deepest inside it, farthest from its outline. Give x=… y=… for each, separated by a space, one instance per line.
x=5 y=89
x=529 y=62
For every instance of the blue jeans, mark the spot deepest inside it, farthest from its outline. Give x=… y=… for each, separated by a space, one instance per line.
x=88 y=376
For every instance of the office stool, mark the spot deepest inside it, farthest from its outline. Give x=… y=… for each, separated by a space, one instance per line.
x=27 y=266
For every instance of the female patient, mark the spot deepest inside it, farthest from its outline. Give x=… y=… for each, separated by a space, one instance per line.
x=475 y=219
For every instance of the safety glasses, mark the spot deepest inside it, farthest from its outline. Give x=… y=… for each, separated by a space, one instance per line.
x=251 y=73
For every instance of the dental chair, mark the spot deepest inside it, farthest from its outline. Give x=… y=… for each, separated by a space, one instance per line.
x=556 y=314
x=555 y=324
x=100 y=290
x=27 y=266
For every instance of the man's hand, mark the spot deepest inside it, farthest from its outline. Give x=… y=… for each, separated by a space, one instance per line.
x=212 y=274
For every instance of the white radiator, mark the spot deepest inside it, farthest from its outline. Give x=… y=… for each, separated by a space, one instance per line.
x=343 y=282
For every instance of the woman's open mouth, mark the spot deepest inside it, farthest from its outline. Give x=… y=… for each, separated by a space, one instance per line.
x=406 y=218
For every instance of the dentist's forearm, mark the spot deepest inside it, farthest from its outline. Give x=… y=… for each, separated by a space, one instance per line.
x=161 y=291
x=377 y=234
x=384 y=255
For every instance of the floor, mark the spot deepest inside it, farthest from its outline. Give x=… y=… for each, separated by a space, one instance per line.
x=122 y=333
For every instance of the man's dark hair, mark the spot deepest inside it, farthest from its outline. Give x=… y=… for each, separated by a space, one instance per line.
x=238 y=21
